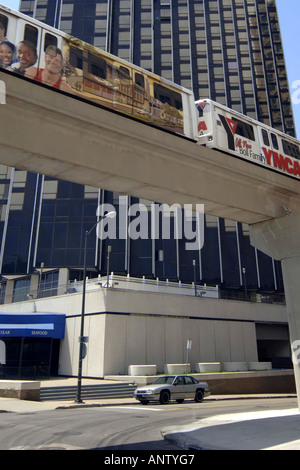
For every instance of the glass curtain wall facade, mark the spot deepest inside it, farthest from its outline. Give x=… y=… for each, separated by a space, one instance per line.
x=226 y=50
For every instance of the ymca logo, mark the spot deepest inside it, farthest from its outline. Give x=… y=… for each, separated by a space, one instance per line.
x=230 y=126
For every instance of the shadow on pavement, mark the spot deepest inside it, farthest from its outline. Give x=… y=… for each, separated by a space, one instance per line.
x=254 y=434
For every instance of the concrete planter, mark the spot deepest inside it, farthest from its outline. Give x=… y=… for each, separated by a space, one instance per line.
x=234 y=366
x=177 y=368
x=208 y=367
x=142 y=369
x=260 y=365
x=21 y=389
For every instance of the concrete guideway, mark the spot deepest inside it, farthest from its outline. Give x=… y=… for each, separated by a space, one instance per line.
x=69 y=139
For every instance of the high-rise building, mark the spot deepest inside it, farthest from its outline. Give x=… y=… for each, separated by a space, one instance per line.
x=226 y=50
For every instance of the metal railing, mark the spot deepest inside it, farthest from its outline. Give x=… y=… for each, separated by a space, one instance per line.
x=142 y=285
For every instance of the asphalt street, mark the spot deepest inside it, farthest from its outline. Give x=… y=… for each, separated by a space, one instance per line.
x=125 y=425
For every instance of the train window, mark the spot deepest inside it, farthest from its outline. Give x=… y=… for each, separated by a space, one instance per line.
x=265 y=136
x=139 y=80
x=274 y=141
x=31 y=34
x=76 y=58
x=165 y=95
x=125 y=71
x=244 y=129
x=291 y=149
x=3 y=27
x=96 y=66
x=50 y=40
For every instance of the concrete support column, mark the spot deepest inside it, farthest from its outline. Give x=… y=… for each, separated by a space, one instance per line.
x=280 y=239
x=34 y=285
x=63 y=280
x=10 y=284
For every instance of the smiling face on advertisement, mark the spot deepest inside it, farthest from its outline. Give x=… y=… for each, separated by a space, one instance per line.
x=53 y=60
x=6 y=53
x=26 y=55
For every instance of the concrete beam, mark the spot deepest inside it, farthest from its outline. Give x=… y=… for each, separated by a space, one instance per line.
x=53 y=134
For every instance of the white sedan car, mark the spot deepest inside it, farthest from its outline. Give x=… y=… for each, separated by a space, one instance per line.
x=177 y=387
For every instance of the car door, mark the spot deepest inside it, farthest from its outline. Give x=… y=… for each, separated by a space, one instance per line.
x=189 y=387
x=179 y=388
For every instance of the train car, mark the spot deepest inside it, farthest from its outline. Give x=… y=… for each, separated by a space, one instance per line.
x=226 y=130
x=72 y=66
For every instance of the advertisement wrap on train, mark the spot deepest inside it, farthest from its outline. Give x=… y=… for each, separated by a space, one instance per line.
x=229 y=131
x=50 y=57
x=34 y=51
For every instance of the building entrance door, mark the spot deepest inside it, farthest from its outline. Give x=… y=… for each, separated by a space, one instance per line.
x=30 y=358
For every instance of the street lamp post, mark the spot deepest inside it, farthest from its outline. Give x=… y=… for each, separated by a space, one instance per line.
x=82 y=339
x=108 y=259
x=245 y=282
x=195 y=284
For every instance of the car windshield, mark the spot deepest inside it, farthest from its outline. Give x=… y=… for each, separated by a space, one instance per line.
x=165 y=380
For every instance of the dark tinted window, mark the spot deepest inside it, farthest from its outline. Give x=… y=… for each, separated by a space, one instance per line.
x=165 y=95
x=31 y=34
x=125 y=71
x=244 y=129
x=265 y=137
x=3 y=26
x=139 y=80
x=97 y=66
x=290 y=149
x=76 y=58
x=274 y=141
x=50 y=40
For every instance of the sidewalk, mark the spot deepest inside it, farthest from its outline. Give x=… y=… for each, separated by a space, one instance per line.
x=259 y=430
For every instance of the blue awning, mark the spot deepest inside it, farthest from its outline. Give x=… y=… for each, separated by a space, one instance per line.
x=34 y=325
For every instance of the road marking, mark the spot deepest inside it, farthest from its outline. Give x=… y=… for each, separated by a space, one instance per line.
x=201 y=406
x=125 y=407
x=187 y=406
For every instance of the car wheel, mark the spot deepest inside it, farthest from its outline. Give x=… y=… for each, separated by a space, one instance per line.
x=164 y=397
x=144 y=402
x=199 y=396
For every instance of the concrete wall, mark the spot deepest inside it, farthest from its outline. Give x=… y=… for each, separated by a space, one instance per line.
x=127 y=327
x=92 y=365
x=118 y=300
x=133 y=339
x=275 y=381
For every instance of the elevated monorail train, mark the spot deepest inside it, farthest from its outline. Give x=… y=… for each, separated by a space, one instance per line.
x=36 y=51
x=231 y=132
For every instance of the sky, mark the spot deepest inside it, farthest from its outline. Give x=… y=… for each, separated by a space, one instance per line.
x=289 y=14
